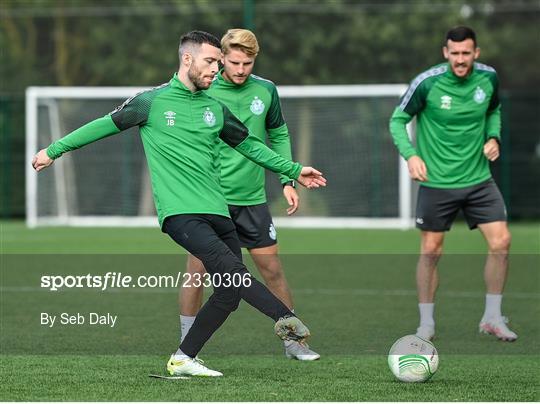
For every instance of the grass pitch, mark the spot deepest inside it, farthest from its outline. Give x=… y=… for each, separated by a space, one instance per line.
x=354 y=288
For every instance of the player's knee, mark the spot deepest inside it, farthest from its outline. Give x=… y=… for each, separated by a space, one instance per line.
x=233 y=305
x=432 y=248
x=500 y=243
x=227 y=299
x=238 y=268
x=194 y=266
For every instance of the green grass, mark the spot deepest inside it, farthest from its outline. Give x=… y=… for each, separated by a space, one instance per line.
x=354 y=288
x=16 y=238
x=267 y=378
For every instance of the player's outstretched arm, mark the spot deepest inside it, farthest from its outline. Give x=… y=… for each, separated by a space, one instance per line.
x=133 y=112
x=41 y=160
x=86 y=134
x=235 y=134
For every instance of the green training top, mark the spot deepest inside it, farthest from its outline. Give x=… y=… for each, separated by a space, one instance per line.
x=455 y=117
x=181 y=134
x=256 y=104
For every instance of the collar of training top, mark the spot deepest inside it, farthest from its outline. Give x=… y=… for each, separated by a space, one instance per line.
x=176 y=83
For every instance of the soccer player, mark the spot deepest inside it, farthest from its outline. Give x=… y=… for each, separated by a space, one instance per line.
x=255 y=102
x=458 y=133
x=181 y=129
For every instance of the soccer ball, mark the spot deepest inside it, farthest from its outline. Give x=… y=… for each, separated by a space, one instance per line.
x=413 y=359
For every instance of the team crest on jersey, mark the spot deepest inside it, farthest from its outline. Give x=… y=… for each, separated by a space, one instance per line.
x=209 y=118
x=479 y=95
x=170 y=116
x=257 y=106
x=446 y=102
x=272 y=231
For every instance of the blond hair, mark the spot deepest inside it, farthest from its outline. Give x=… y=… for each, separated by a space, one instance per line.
x=242 y=39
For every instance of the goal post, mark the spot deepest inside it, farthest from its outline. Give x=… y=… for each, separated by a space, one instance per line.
x=340 y=129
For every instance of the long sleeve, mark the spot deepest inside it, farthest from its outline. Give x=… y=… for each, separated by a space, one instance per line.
x=281 y=144
x=133 y=112
x=493 y=123
x=398 y=129
x=95 y=130
x=493 y=116
x=236 y=135
x=410 y=104
x=258 y=152
x=277 y=130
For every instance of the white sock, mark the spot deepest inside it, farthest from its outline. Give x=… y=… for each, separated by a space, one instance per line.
x=426 y=314
x=493 y=306
x=185 y=324
x=179 y=355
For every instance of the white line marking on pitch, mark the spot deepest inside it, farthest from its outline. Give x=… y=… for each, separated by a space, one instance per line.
x=301 y=291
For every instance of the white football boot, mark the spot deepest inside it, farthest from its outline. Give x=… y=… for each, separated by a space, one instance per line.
x=189 y=367
x=291 y=329
x=497 y=327
x=300 y=351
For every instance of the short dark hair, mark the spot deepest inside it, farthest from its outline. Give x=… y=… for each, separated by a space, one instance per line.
x=459 y=34
x=197 y=38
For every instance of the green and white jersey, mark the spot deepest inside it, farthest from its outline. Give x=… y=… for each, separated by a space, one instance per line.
x=455 y=118
x=182 y=133
x=256 y=104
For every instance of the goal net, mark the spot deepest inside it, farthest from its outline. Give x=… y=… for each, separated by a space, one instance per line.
x=342 y=130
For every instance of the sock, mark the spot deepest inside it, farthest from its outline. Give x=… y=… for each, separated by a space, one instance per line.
x=208 y=320
x=426 y=314
x=185 y=324
x=258 y=296
x=493 y=306
x=213 y=314
x=179 y=355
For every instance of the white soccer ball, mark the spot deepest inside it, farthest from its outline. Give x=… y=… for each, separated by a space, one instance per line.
x=413 y=359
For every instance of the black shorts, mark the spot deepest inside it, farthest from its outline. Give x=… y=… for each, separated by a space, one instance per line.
x=254 y=225
x=436 y=208
x=204 y=235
